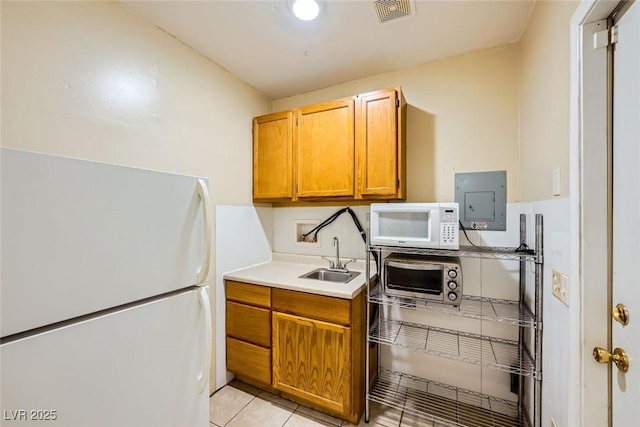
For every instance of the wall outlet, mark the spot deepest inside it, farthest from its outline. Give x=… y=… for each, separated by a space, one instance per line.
x=560 y=286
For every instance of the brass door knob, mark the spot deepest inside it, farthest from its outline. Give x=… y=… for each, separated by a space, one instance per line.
x=619 y=357
x=621 y=314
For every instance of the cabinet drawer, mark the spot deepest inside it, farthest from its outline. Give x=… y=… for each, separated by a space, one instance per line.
x=249 y=323
x=249 y=294
x=249 y=360
x=330 y=309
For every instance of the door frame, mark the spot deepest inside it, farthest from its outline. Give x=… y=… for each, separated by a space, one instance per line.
x=589 y=148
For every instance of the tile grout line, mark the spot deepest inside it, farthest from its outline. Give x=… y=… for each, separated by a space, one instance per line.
x=287 y=420
x=319 y=418
x=293 y=410
x=270 y=401
x=241 y=409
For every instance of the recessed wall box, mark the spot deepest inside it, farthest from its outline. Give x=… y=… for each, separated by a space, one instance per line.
x=303 y=227
x=482 y=197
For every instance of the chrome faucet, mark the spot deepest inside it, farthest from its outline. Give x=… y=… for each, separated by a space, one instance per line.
x=337 y=265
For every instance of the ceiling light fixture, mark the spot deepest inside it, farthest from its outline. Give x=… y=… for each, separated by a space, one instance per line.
x=305 y=10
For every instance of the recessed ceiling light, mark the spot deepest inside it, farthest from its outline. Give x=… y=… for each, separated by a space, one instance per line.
x=305 y=10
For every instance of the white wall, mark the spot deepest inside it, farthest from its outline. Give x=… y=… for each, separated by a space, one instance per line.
x=556 y=391
x=243 y=238
x=91 y=80
x=351 y=244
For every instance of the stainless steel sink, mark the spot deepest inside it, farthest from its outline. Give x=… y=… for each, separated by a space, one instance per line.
x=330 y=275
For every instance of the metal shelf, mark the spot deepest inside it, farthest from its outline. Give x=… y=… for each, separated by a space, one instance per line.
x=490 y=252
x=449 y=405
x=496 y=353
x=445 y=404
x=492 y=309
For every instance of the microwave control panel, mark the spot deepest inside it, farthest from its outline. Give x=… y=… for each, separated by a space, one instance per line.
x=448 y=228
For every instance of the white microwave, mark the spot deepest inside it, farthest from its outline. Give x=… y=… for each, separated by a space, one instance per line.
x=419 y=225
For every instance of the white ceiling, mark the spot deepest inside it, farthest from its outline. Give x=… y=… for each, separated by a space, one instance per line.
x=263 y=44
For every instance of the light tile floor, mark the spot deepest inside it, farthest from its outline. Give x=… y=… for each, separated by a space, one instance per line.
x=241 y=405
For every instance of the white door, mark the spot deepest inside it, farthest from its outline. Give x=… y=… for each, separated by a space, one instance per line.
x=626 y=214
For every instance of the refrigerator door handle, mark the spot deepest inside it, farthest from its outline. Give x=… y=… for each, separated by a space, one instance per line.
x=203 y=377
x=203 y=192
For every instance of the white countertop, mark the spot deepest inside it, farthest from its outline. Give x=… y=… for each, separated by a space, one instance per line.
x=283 y=272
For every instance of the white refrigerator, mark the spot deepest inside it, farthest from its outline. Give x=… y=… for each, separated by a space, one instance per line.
x=105 y=319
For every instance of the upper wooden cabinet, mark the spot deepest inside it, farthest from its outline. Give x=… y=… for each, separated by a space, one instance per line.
x=380 y=146
x=272 y=156
x=325 y=150
x=351 y=148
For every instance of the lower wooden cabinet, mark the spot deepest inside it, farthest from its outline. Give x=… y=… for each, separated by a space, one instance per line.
x=309 y=348
x=318 y=347
x=312 y=361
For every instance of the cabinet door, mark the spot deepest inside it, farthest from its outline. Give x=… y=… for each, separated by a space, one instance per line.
x=325 y=150
x=312 y=361
x=378 y=144
x=272 y=156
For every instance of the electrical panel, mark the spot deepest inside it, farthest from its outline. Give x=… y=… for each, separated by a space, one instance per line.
x=482 y=197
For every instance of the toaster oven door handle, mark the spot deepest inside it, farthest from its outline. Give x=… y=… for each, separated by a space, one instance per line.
x=414 y=266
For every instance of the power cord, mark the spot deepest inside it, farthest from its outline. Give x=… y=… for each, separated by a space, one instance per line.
x=332 y=218
x=465 y=233
x=523 y=248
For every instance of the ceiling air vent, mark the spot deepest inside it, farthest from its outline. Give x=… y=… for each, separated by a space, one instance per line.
x=388 y=10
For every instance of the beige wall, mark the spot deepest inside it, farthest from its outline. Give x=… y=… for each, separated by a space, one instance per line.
x=462 y=117
x=91 y=80
x=544 y=93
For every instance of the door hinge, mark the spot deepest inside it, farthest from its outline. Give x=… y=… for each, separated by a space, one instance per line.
x=614 y=34
x=397 y=103
x=605 y=37
x=397 y=183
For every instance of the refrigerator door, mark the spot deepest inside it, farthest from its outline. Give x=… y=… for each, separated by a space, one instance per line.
x=136 y=367
x=81 y=236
